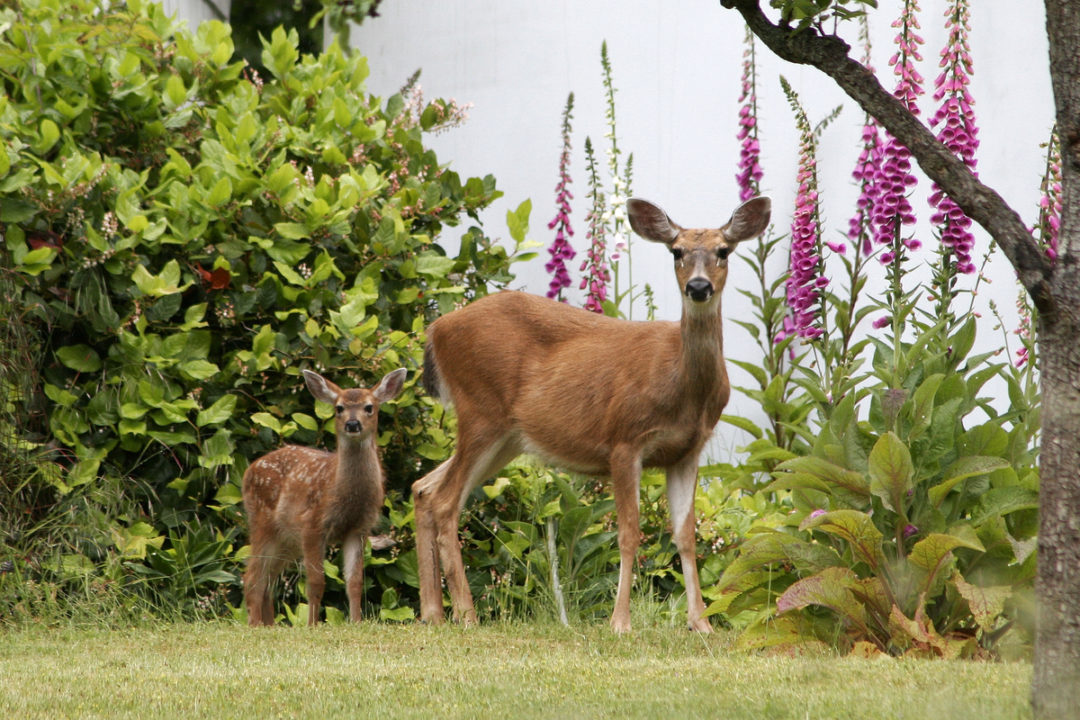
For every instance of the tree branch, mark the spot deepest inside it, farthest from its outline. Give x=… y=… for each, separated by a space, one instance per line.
x=982 y=204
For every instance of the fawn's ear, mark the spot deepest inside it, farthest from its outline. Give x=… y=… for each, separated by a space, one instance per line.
x=390 y=385
x=749 y=220
x=321 y=388
x=650 y=222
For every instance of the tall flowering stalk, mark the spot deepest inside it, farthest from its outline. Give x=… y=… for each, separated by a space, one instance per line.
x=595 y=268
x=750 y=174
x=806 y=282
x=614 y=218
x=1046 y=232
x=893 y=210
x=958 y=132
x=1050 y=203
x=867 y=168
x=561 y=251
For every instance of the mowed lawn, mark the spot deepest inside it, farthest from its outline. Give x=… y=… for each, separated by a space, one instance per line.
x=376 y=670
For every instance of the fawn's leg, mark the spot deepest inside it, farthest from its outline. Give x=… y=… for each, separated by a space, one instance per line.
x=314 y=550
x=353 y=550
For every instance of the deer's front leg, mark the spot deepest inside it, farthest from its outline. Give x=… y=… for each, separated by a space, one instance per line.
x=626 y=483
x=681 y=487
x=314 y=549
x=353 y=549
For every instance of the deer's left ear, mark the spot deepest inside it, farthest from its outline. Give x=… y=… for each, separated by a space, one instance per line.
x=749 y=220
x=650 y=222
x=390 y=385
x=321 y=388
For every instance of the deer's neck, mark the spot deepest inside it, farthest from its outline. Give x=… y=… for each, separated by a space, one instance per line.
x=358 y=465
x=702 y=358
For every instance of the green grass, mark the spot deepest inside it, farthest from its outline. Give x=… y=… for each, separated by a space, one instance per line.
x=377 y=670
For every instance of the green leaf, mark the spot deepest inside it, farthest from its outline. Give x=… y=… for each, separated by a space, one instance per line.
x=987 y=604
x=292 y=231
x=743 y=424
x=267 y=420
x=81 y=358
x=219 y=412
x=852 y=526
x=221 y=193
x=831 y=588
x=962 y=469
x=199 y=369
x=931 y=551
x=891 y=471
x=434 y=265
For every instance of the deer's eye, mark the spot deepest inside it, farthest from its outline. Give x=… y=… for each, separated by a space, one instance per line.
x=677 y=253
x=339 y=409
x=369 y=408
x=722 y=253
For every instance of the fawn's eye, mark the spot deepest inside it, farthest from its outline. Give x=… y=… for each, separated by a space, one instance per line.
x=722 y=253
x=339 y=409
x=369 y=408
x=677 y=253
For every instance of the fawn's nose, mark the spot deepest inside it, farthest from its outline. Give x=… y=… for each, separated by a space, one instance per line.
x=699 y=289
x=353 y=426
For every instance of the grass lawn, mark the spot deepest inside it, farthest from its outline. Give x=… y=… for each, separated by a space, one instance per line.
x=373 y=670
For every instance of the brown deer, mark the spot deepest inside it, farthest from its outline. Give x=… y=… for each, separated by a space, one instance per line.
x=590 y=393
x=299 y=500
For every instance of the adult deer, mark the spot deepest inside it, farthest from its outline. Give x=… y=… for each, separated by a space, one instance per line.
x=590 y=393
x=300 y=499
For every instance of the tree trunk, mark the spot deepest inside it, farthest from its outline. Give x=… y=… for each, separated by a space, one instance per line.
x=1054 y=288
x=1055 y=688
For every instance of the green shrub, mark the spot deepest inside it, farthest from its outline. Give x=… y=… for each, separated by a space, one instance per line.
x=186 y=236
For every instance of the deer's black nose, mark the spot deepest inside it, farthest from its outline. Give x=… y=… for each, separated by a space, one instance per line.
x=699 y=289
x=353 y=426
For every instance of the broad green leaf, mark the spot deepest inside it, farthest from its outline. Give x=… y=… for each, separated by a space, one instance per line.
x=292 y=231
x=199 y=369
x=219 y=412
x=267 y=420
x=1002 y=501
x=852 y=526
x=929 y=552
x=82 y=358
x=433 y=264
x=221 y=193
x=831 y=588
x=962 y=469
x=891 y=471
x=987 y=604
x=743 y=424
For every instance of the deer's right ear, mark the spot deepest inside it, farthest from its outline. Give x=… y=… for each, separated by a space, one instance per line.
x=650 y=222
x=320 y=387
x=390 y=385
x=749 y=220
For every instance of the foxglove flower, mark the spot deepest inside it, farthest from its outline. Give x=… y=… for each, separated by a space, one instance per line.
x=867 y=168
x=805 y=283
x=894 y=179
x=956 y=120
x=750 y=174
x=1050 y=202
x=561 y=251
x=595 y=268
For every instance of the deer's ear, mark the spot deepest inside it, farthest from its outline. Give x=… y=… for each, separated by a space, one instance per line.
x=650 y=222
x=321 y=388
x=390 y=385
x=749 y=220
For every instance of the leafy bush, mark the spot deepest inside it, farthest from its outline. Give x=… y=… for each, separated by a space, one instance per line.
x=186 y=236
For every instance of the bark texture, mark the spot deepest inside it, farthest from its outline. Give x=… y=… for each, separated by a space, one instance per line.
x=1054 y=288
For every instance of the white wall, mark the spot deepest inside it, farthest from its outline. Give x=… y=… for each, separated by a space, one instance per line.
x=677 y=70
x=194 y=12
